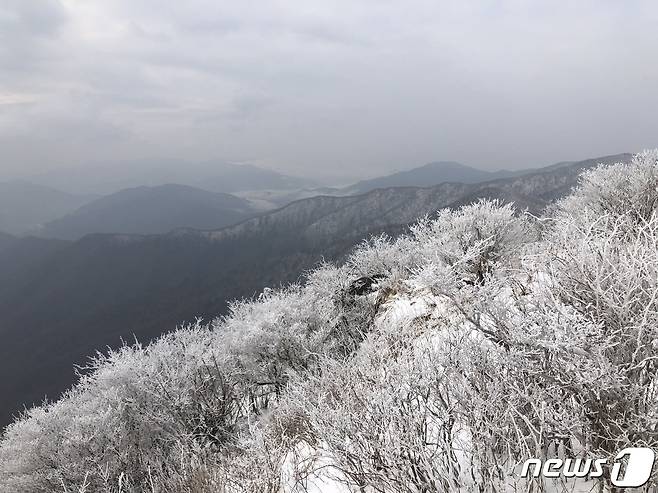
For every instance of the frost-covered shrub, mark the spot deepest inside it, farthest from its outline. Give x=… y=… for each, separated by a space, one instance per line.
x=127 y=418
x=365 y=421
x=448 y=399
x=624 y=193
x=608 y=271
x=384 y=256
x=264 y=341
x=288 y=330
x=474 y=239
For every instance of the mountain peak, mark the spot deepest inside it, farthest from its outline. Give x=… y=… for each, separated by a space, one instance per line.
x=427 y=175
x=151 y=210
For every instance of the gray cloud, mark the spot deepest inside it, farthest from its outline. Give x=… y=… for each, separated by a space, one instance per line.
x=316 y=88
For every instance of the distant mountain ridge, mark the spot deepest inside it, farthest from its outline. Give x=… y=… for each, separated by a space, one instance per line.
x=325 y=216
x=81 y=296
x=151 y=210
x=425 y=176
x=438 y=172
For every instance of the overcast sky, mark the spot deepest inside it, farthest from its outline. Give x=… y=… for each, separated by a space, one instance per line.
x=340 y=87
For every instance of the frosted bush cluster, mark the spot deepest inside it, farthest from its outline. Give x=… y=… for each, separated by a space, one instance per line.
x=435 y=362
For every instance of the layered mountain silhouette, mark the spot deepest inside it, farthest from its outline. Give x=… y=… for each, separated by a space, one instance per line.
x=24 y=206
x=452 y=172
x=73 y=298
x=427 y=175
x=423 y=176
x=151 y=210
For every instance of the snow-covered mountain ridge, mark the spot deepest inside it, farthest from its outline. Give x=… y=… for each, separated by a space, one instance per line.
x=438 y=361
